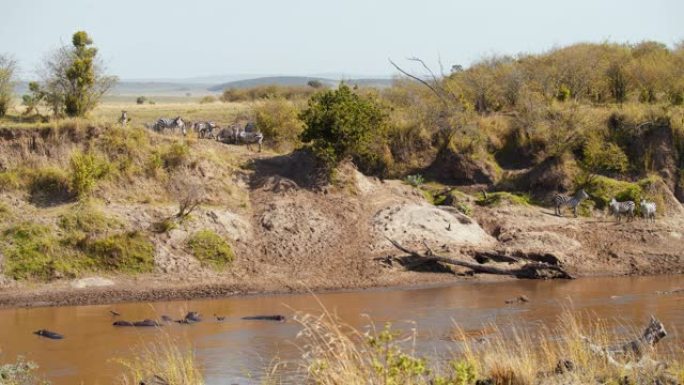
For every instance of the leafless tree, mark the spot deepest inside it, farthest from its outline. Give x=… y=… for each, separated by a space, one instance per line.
x=187 y=189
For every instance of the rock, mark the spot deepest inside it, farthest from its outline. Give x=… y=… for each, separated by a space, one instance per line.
x=91 y=282
x=564 y=366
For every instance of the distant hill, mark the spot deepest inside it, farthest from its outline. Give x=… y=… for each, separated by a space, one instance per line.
x=297 y=81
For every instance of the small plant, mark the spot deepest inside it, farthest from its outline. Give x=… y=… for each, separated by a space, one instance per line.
x=210 y=249
x=21 y=372
x=415 y=180
x=175 y=155
x=86 y=170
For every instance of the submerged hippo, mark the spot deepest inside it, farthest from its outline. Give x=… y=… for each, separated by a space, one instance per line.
x=277 y=317
x=190 y=318
x=122 y=323
x=166 y=318
x=48 y=334
x=146 y=323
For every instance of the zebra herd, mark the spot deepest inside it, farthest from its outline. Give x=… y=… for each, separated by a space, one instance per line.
x=234 y=134
x=618 y=209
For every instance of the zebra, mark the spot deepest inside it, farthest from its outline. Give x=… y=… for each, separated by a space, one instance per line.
x=204 y=129
x=648 y=210
x=123 y=120
x=572 y=202
x=250 y=138
x=620 y=208
x=163 y=123
x=228 y=134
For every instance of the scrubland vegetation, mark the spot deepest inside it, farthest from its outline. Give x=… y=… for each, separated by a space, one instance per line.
x=604 y=117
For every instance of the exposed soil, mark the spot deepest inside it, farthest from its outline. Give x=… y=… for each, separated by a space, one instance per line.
x=294 y=236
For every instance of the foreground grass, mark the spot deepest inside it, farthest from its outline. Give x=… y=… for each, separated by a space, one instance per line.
x=334 y=353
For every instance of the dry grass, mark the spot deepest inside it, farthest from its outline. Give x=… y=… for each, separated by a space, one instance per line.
x=167 y=359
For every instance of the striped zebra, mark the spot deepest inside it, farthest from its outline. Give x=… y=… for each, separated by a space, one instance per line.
x=572 y=202
x=648 y=210
x=205 y=129
x=163 y=123
x=124 y=119
x=622 y=208
x=250 y=138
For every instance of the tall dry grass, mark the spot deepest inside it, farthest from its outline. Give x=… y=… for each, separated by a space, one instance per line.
x=166 y=361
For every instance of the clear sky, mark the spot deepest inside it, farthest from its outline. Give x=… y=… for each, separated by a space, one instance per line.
x=192 y=38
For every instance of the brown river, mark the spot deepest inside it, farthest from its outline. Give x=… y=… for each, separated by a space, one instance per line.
x=237 y=351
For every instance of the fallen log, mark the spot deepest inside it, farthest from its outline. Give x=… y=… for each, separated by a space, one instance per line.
x=533 y=270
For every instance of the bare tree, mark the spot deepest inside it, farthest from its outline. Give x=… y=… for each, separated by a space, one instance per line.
x=187 y=189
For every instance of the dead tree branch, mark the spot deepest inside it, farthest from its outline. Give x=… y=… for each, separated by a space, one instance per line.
x=532 y=270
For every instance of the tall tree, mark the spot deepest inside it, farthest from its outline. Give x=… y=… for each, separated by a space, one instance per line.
x=73 y=78
x=8 y=67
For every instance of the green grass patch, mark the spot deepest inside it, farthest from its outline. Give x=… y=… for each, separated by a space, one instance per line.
x=130 y=252
x=49 y=184
x=9 y=180
x=497 y=198
x=602 y=189
x=210 y=249
x=33 y=252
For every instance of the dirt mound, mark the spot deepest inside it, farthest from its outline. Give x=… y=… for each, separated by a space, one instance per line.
x=458 y=169
x=549 y=177
x=414 y=223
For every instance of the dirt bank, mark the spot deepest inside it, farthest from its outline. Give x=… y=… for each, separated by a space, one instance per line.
x=291 y=235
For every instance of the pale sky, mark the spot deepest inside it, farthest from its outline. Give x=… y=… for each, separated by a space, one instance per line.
x=193 y=38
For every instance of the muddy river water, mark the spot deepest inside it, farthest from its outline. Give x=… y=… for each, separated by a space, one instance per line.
x=237 y=351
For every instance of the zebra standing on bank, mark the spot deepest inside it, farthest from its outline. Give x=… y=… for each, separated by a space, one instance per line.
x=123 y=120
x=163 y=123
x=622 y=208
x=204 y=129
x=572 y=202
x=648 y=210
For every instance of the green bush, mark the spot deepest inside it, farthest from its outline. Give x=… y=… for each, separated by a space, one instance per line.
x=602 y=157
x=210 y=249
x=140 y=100
x=340 y=123
x=602 y=189
x=277 y=119
x=86 y=170
x=130 y=252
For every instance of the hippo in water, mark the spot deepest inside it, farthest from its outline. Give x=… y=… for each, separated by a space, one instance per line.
x=122 y=323
x=146 y=323
x=277 y=317
x=190 y=318
x=48 y=334
x=166 y=318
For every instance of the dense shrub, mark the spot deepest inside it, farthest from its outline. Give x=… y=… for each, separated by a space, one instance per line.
x=266 y=92
x=140 y=100
x=340 y=123
x=210 y=249
x=277 y=119
x=86 y=170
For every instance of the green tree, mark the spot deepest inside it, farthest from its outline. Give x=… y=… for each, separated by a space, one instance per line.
x=73 y=79
x=8 y=67
x=340 y=123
